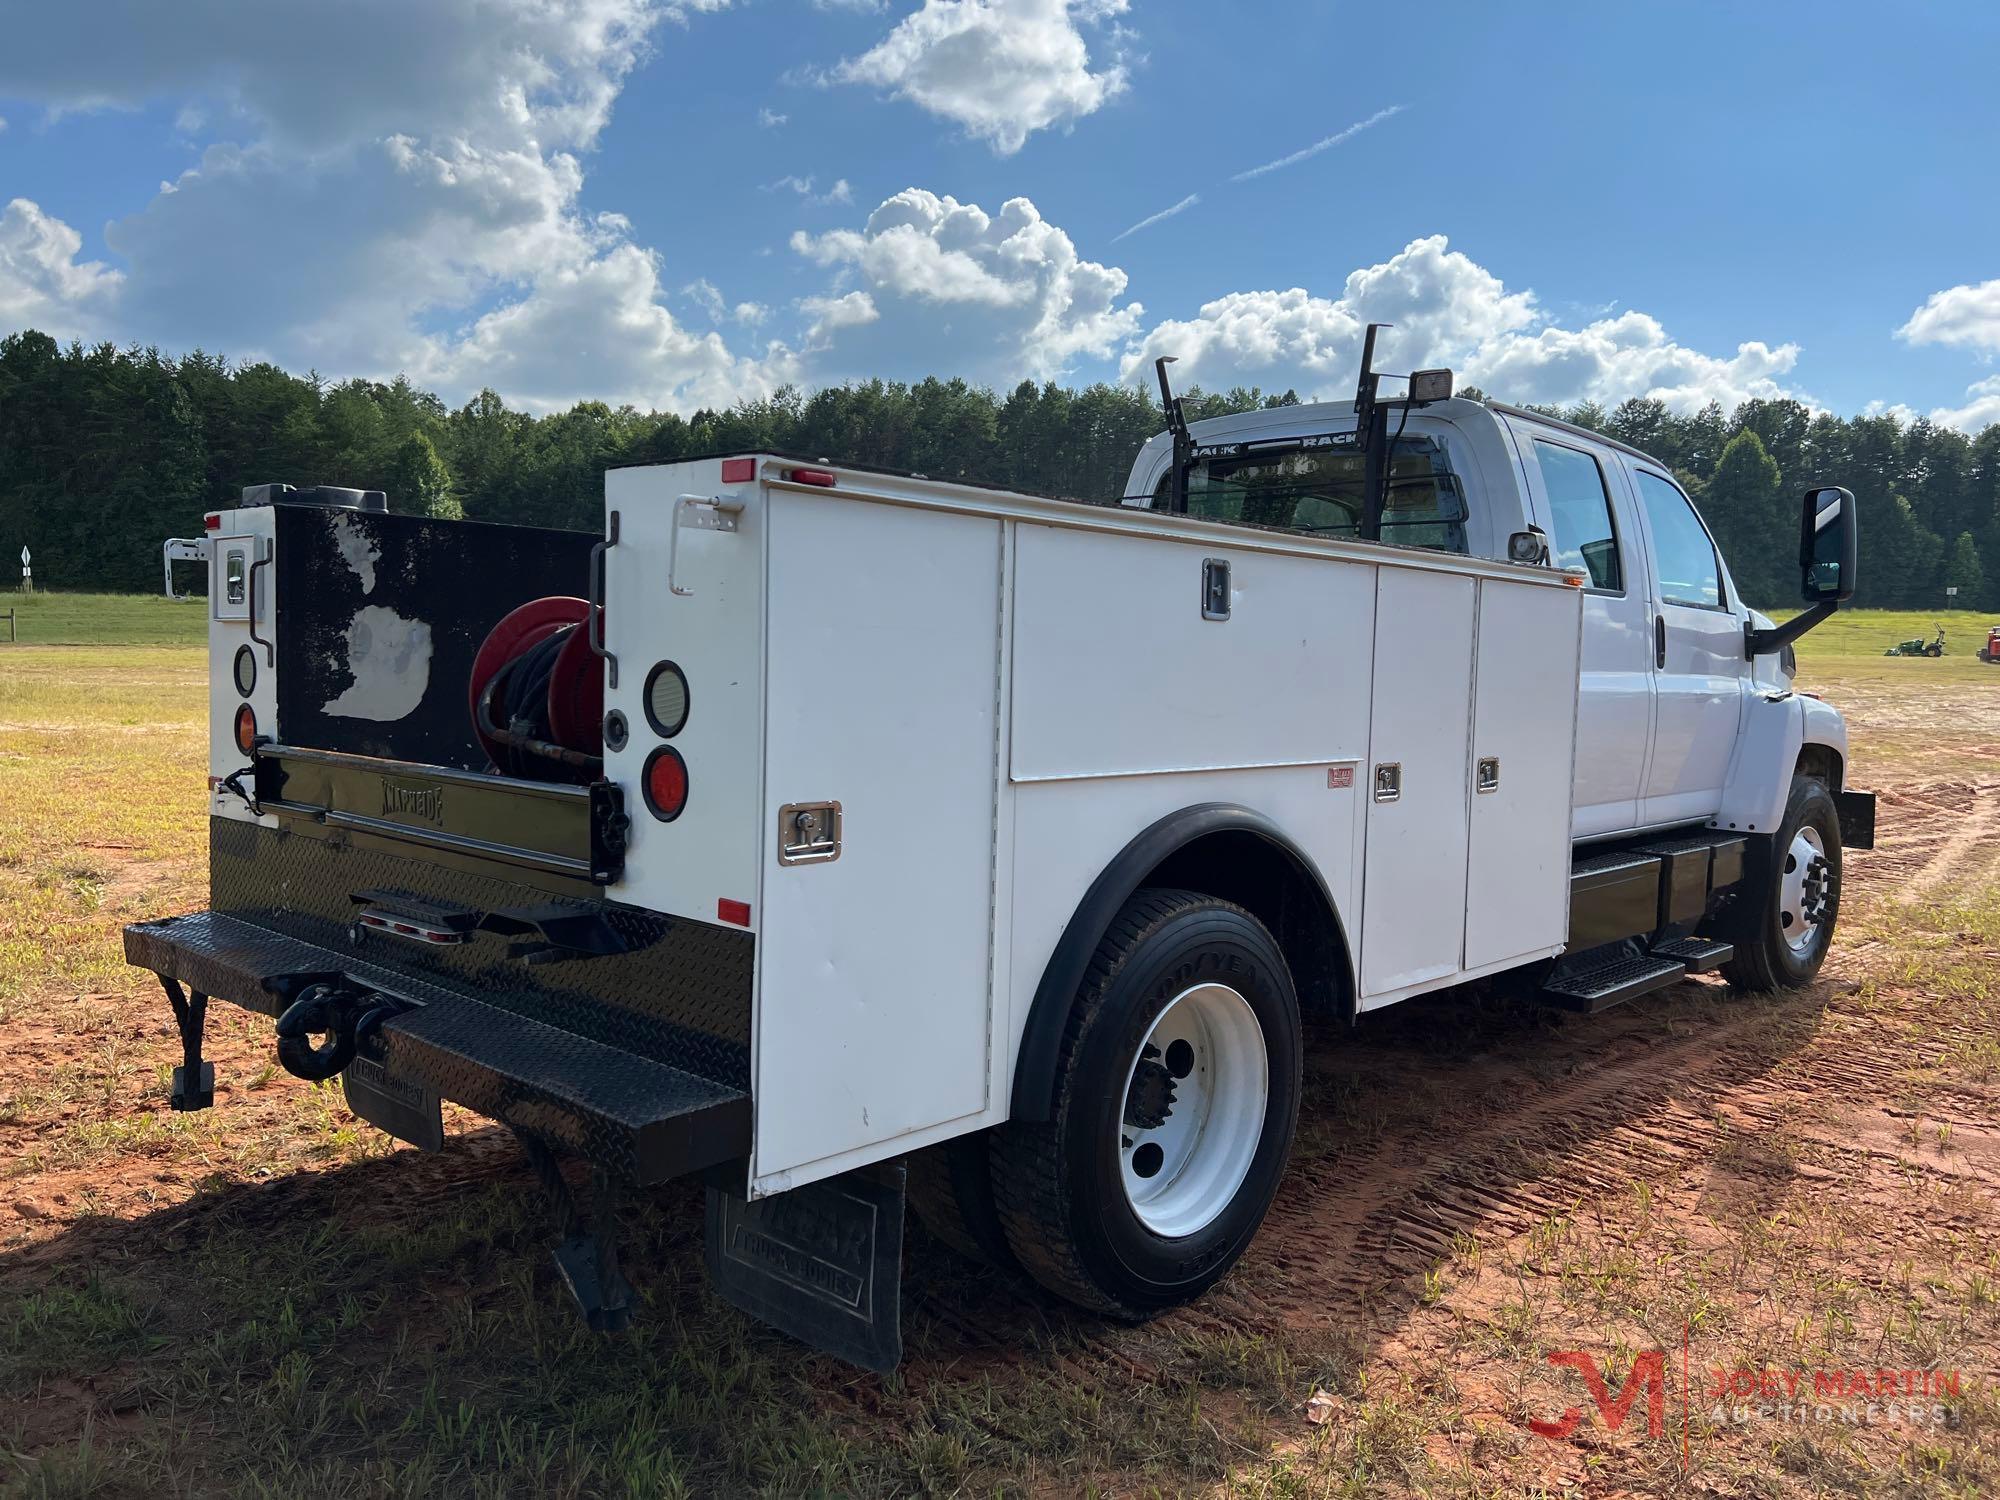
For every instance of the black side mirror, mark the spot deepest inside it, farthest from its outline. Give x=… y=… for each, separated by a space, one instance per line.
x=1829 y=544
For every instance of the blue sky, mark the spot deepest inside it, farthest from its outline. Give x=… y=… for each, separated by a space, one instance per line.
x=679 y=203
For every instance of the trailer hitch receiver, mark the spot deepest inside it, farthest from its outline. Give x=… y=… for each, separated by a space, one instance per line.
x=343 y=1015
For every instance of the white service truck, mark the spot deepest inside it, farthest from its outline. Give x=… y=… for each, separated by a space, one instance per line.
x=839 y=835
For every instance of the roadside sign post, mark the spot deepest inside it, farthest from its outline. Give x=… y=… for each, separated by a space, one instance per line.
x=27 y=573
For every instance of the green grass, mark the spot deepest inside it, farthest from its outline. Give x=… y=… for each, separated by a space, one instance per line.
x=55 y=619
x=1869 y=632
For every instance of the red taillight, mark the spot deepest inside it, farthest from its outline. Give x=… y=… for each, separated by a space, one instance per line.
x=826 y=479
x=738 y=470
x=666 y=783
x=211 y=522
x=246 y=729
x=735 y=912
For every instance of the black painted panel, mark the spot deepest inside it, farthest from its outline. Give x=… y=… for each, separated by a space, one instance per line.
x=680 y=994
x=454 y=578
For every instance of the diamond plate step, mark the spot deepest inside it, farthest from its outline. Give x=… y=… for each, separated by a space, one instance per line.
x=1699 y=955
x=644 y=1120
x=1592 y=990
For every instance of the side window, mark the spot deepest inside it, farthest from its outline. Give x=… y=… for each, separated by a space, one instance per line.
x=1580 y=506
x=1684 y=557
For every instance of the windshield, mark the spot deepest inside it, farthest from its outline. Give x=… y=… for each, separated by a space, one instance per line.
x=1318 y=489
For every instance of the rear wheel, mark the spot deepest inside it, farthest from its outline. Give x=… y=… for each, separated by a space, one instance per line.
x=1790 y=900
x=953 y=1195
x=1177 y=1093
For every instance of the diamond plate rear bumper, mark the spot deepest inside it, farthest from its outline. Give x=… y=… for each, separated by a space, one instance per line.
x=642 y=1119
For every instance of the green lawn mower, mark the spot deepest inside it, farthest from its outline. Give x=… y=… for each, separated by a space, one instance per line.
x=1919 y=646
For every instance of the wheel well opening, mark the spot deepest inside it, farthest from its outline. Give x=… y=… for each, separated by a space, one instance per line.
x=1822 y=763
x=1271 y=884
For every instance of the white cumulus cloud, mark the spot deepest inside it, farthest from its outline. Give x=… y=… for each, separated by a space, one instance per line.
x=1449 y=310
x=1008 y=290
x=42 y=283
x=1981 y=409
x=1965 y=316
x=1001 y=69
x=375 y=208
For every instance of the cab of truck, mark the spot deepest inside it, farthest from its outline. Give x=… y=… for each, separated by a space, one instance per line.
x=1668 y=682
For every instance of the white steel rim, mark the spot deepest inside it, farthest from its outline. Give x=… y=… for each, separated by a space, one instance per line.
x=1182 y=1172
x=1802 y=890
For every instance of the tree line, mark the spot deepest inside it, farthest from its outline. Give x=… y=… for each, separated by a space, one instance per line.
x=107 y=451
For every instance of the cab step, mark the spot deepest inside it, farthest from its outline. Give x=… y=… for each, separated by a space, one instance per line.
x=1604 y=985
x=1697 y=955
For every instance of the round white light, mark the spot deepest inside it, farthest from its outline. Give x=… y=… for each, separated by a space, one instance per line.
x=666 y=699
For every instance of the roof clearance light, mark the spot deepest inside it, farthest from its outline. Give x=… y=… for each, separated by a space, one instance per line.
x=665 y=784
x=246 y=729
x=826 y=479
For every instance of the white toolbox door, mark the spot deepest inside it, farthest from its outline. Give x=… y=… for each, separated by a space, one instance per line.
x=1412 y=912
x=1524 y=738
x=873 y=968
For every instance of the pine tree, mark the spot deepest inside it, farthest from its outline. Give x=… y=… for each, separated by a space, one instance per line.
x=1963 y=572
x=1744 y=505
x=419 y=482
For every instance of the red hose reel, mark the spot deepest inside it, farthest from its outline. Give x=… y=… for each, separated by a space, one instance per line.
x=552 y=733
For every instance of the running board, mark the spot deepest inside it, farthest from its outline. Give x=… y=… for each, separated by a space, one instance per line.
x=1698 y=955
x=1591 y=990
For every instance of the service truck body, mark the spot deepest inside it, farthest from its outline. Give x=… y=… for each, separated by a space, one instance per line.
x=882 y=761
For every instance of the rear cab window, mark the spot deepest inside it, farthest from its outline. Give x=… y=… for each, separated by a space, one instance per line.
x=1315 y=486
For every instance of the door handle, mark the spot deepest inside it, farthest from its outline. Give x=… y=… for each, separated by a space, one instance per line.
x=1660 y=642
x=594 y=619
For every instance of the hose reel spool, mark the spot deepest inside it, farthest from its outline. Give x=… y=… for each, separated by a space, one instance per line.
x=537 y=693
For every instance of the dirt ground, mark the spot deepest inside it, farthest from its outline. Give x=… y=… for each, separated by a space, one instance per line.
x=1793 y=1198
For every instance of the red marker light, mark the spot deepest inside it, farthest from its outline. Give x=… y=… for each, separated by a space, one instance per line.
x=665 y=783
x=211 y=522
x=735 y=912
x=826 y=479
x=738 y=470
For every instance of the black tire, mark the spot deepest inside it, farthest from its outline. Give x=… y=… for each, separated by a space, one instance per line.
x=1764 y=957
x=951 y=1191
x=1058 y=1184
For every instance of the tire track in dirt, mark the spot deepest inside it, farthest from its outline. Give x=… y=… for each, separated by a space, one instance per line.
x=1357 y=1224
x=1351 y=1228
x=1980 y=825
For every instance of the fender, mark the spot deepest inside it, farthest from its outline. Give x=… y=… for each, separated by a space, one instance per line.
x=1041 y=1038
x=1760 y=771
x=1823 y=725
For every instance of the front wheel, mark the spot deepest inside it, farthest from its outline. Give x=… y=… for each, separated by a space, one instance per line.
x=1177 y=1093
x=1790 y=897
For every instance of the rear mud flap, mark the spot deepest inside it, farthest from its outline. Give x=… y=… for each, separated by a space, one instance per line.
x=823 y=1263
x=408 y=1111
